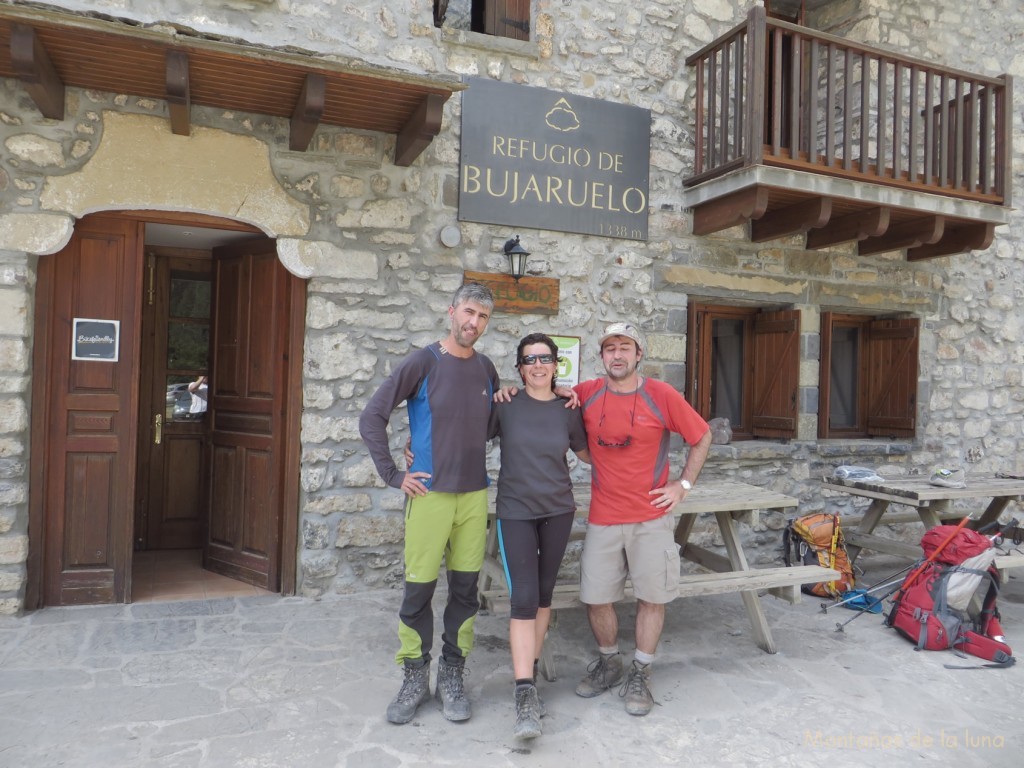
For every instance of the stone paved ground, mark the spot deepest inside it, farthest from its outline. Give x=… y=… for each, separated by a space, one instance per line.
x=292 y=682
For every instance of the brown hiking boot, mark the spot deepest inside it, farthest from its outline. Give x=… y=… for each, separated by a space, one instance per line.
x=636 y=690
x=602 y=674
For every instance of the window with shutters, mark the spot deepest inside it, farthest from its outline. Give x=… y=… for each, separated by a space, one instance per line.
x=743 y=363
x=500 y=18
x=868 y=384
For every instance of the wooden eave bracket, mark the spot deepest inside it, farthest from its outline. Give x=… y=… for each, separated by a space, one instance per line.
x=421 y=129
x=971 y=237
x=926 y=230
x=859 y=225
x=179 y=97
x=32 y=64
x=730 y=210
x=309 y=110
x=792 y=220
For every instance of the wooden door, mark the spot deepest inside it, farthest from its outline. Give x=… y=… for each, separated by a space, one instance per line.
x=170 y=506
x=253 y=396
x=83 y=430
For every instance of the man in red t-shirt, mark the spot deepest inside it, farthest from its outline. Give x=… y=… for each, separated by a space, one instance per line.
x=631 y=531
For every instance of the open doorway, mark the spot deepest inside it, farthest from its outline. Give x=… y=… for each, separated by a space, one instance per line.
x=125 y=473
x=172 y=476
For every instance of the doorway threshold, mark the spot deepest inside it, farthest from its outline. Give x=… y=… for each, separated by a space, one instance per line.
x=178 y=574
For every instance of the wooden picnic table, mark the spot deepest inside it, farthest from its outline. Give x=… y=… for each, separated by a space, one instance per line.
x=729 y=502
x=933 y=505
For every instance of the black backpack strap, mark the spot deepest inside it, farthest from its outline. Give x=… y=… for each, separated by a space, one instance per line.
x=787 y=542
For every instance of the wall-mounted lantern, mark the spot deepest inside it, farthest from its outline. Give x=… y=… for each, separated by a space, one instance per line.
x=516 y=257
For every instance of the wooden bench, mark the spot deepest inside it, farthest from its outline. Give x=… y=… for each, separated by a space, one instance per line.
x=782 y=582
x=729 y=502
x=1006 y=562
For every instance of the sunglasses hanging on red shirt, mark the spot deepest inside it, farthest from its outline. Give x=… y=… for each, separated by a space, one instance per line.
x=629 y=438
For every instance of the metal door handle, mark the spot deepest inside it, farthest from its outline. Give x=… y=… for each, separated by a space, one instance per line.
x=158 y=428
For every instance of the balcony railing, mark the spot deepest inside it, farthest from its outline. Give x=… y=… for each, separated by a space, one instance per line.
x=773 y=93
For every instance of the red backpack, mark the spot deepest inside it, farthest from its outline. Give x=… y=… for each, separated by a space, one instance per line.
x=931 y=608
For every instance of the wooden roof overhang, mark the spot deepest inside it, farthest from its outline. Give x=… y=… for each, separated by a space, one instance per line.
x=48 y=52
x=776 y=202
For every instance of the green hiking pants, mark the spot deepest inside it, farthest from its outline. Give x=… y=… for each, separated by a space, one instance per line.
x=452 y=526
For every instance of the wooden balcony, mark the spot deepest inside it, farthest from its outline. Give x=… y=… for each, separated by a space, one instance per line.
x=803 y=133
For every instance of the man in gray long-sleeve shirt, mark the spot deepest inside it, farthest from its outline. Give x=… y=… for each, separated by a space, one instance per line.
x=448 y=387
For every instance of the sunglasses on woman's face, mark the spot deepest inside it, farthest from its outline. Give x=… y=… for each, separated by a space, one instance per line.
x=531 y=359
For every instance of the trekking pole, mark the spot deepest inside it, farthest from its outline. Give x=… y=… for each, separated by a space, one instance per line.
x=869 y=590
x=841 y=625
x=863 y=592
x=913 y=576
x=920 y=569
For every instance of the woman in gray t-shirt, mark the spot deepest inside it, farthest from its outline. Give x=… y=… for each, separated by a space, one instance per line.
x=535 y=509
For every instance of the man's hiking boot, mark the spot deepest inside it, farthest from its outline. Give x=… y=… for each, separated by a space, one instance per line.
x=450 y=692
x=527 y=713
x=636 y=690
x=414 y=691
x=602 y=674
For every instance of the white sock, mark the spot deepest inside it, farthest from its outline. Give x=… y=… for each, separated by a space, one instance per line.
x=609 y=651
x=643 y=659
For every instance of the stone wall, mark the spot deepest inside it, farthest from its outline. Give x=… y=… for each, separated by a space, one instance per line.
x=366 y=234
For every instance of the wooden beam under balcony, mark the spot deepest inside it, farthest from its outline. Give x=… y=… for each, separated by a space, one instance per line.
x=309 y=109
x=795 y=219
x=421 y=129
x=971 y=237
x=730 y=210
x=859 y=225
x=926 y=230
x=36 y=72
x=179 y=97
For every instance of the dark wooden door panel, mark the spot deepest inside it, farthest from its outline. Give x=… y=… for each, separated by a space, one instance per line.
x=170 y=506
x=85 y=483
x=250 y=387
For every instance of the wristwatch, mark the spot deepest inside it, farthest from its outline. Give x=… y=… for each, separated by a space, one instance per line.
x=687 y=485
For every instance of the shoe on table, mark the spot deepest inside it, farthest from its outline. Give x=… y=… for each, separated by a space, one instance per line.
x=602 y=674
x=414 y=691
x=527 y=713
x=636 y=690
x=450 y=690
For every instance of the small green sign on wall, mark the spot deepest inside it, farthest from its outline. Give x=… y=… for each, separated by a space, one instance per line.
x=568 y=373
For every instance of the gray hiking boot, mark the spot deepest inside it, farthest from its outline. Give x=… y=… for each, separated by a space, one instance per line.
x=450 y=692
x=540 y=701
x=602 y=674
x=414 y=691
x=636 y=690
x=527 y=713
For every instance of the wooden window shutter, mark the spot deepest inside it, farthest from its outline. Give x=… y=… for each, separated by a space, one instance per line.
x=698 y=357
x=507 y=18
x=892 y=377
x=824 y=376
x=776 y=373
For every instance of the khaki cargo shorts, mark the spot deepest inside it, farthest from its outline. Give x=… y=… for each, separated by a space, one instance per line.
x=646 y=553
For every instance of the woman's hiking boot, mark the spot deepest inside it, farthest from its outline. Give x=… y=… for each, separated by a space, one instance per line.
x=527 y=713
x=450 y=691
x=414 y=691
x=602 y=674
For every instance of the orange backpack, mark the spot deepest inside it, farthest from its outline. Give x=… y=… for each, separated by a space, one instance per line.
x=817 y=539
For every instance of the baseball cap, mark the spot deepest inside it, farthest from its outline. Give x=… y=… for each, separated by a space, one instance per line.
x=628 y=330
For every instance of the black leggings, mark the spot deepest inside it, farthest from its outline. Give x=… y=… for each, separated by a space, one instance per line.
x=532 y=551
